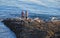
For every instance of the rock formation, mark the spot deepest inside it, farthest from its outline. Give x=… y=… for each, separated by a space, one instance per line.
x=24 y=29
x=28 y=29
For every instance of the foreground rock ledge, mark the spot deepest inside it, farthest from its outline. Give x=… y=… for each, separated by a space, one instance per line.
x=28 y=29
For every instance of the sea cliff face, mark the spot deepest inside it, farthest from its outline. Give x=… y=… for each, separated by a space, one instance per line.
x=32 y=29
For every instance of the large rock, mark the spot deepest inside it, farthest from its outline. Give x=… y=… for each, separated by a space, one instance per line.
x=27 y=29
x=24 y=29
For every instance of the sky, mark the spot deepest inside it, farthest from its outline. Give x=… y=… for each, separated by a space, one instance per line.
x=35 y=6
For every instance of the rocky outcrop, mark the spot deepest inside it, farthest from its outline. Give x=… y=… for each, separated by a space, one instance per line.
x=24 y=29
x=27 y=29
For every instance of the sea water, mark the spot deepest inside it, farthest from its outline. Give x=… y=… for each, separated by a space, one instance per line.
x=5 y=32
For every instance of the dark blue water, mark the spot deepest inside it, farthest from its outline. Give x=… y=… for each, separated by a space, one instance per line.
x=5 y=32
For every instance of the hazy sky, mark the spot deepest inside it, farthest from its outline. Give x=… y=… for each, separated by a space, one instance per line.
x=35 y=6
